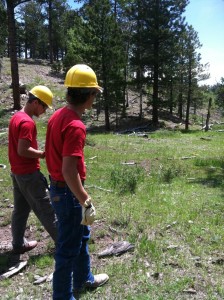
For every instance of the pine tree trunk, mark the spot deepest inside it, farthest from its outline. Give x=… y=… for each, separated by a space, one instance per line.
x=171 y=97
x=106 y=109
x=188 y=96
x=13 y=54
x=140 y=105
x=208 y=114
x=155 y=117
x=180 y=105
x=50 y=31
x=180 y=98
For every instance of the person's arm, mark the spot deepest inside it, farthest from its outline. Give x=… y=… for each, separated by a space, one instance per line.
x=24 y=149
x=72 y=178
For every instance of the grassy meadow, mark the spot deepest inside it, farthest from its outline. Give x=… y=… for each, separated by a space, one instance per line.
x=164 y=194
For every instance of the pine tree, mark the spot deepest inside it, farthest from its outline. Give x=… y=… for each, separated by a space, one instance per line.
x=34 y=29
x=160 y=20
x=192 y=62
x=105 y=51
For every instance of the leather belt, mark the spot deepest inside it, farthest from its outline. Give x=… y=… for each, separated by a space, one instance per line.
x=60 y=184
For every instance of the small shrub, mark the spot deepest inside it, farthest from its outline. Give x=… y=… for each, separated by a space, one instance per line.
x=56 y=67
x=168 y=172
x=125 y=179
x=196 y=119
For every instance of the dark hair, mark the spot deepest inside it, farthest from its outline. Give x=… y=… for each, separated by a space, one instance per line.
x=32 y=98
x=79 y=95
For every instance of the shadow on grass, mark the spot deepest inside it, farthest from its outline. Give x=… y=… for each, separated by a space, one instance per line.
x=4 y=259
x=189 y=131
x=8 y=260
x=128 y=125
x=214 y=172
x=78 y=294
x=34 y=61
x=211 y=182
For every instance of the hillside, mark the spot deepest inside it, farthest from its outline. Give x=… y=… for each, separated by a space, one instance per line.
x=39 y=72
x=31 y=73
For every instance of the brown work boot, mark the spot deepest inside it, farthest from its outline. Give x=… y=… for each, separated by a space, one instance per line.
x=25 y=248
x=99 y=280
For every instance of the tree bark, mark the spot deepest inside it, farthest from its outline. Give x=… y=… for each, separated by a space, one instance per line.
x=13 y=54
x=180 y=98
x=189 y=94
x=106 y=108
x=50 y=31
x=208 y=114
x=155 y=116
x=171 y=96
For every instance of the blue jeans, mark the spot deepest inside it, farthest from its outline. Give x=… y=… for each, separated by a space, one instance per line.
x=72 y=261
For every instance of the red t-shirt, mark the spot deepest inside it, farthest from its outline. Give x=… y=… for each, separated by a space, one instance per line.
x=22 y=126
x=66 y=136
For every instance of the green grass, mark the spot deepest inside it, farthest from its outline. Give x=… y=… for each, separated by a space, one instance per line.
x=178 y=203
x=164 y=194
x=41 y=262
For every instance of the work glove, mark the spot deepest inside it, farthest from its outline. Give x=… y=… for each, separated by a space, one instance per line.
x=88 y=213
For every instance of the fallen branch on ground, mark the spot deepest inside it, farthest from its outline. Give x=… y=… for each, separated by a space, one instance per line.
x=14 y=270
x=116 y=249
x=97 y=187
x=41 y=279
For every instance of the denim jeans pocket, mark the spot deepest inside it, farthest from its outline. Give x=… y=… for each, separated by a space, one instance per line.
x=64 y=203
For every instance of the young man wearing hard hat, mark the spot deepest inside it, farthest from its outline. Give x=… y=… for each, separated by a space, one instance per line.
x=75 y=211
x=29 y=184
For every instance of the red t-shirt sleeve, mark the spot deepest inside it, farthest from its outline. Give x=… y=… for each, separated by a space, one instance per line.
x=26 y=130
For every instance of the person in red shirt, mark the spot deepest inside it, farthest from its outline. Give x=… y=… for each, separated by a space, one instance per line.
x=29 y=184
x=65 y=141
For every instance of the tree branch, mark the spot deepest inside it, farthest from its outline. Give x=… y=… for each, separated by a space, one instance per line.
x=20 y=2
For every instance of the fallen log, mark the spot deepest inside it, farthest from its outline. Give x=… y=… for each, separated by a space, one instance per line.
x=117 y=249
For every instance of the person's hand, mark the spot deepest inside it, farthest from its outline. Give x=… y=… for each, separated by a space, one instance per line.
x=88 y=212
x=42 y=154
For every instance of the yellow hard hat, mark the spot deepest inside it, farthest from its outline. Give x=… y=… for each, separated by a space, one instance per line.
x=43 y=93
x=81 y=76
